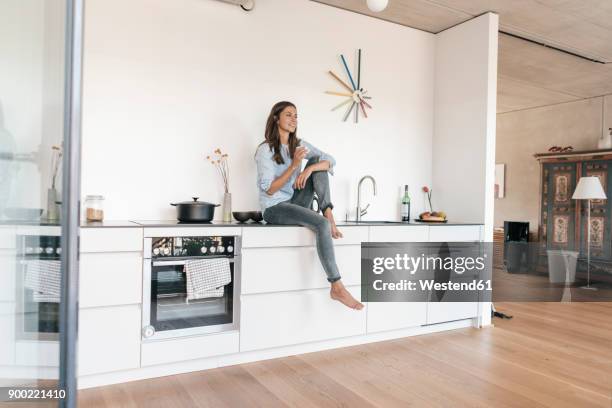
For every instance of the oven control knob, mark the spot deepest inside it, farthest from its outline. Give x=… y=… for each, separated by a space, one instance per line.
x=204 y=250
x=29 y=250
x=58 y=250
x=39 y=250
x=148 y=331
x=213 y=250
x=230 y=248
x=166 y=251
x=49 y=250
x=221 y=249
x=155 y=251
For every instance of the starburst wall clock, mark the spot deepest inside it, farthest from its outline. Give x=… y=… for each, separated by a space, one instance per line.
x=355 y=94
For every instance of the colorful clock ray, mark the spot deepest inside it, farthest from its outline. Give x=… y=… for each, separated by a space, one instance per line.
x=356 y=95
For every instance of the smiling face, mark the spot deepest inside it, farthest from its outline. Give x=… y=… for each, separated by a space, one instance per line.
x=287 y=120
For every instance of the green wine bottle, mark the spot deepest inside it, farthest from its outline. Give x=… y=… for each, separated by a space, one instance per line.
x=406 y=205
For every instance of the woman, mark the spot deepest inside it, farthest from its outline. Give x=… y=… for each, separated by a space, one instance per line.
x=285 y=192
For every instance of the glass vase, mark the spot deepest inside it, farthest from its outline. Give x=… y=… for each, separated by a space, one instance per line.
x=227 y=207
x=52 y=207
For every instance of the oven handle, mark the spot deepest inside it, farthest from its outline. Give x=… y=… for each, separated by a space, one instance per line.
x=176 y=263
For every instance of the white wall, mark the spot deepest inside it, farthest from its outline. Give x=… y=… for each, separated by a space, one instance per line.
x=464 y=136
x=166 y=82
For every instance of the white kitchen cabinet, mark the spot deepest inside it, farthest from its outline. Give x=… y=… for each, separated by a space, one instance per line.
x=383 y=316
x=189 y=348
x=280 y=236
x=37 y=353
x=11 y=273
x=449 y=311
x=109 y=339
x=7 y=333
x=8 y=237
x=399 y=233
x=192 y=231
x=286 y=318
x=295 y=268
x=438 y=312
x=454 y=233
x=111 y=239
x=107 y=279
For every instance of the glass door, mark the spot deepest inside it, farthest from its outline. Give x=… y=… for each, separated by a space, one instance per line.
x=39 y=130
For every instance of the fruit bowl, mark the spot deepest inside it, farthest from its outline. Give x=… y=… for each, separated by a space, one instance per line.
x=435 y=216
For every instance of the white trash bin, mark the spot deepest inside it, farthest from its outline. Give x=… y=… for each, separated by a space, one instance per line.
x=562 y=266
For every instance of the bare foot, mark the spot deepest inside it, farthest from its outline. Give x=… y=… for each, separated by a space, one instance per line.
x=338 y=292
x=335 y=232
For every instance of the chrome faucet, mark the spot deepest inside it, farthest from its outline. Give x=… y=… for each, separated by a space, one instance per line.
x=361 y=212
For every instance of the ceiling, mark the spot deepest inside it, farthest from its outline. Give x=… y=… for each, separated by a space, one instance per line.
x=529 y=75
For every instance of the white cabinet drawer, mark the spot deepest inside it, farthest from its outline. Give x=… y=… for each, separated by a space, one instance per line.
x=111 y=240
x=108 y=279
x=439 y=233
x=280 y=319
x=439 y=312
x=109 y=339
x=10 y=271
x=384 y=316
x=189 y=348
x=295 y=268
x=399 y=233
x=8 y=237
x=8 y=315
x=193 y=231
x=279 y=236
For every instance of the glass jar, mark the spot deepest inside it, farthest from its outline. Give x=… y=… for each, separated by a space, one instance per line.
x=94 y=208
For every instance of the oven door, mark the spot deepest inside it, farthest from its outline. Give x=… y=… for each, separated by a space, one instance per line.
x=166 y=311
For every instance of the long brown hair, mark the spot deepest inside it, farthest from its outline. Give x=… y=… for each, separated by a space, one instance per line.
x=273 y=136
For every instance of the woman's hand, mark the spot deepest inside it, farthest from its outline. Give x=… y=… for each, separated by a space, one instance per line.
x=298 y=156
x=300 y=181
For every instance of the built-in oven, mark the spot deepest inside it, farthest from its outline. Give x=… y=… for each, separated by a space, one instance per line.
x=167 y=310
x=38 y=287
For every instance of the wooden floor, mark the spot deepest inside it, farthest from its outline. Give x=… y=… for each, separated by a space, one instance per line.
x=548 y=355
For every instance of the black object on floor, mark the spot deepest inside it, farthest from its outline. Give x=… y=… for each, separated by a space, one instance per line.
x=502 y=315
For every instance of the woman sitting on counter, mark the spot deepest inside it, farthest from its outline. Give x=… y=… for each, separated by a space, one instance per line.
x=285 y=193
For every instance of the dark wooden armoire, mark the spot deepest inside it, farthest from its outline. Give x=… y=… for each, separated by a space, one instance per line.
x=563 y=221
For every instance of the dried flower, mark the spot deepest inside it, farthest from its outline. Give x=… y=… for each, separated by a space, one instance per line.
x=220 y=163
x=56 y=159
x=427 y=191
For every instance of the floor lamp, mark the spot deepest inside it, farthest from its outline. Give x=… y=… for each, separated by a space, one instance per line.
x=589 y=188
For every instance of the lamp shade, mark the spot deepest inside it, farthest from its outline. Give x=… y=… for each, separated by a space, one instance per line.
x=377 y=5
x=589 y=188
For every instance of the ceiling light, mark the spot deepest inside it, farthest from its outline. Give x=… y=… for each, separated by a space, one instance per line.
x=377 y=5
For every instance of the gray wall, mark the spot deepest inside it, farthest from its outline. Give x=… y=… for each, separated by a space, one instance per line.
x=521 y=134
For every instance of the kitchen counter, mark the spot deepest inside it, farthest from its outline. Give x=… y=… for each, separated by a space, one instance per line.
x=216 y=223
x=110 y=224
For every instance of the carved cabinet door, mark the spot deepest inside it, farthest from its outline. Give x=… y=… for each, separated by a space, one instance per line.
x=601 y=243
x=558 y=208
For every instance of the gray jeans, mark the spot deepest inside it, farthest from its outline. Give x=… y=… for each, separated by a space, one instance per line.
x=297 y=211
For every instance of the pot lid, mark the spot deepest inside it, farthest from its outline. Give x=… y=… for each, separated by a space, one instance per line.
x=195 y=202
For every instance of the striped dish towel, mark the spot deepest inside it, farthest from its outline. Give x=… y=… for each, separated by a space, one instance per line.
x=207 y=277
x=43 y=277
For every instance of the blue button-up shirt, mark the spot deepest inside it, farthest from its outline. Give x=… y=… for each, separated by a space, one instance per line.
x=268 y=171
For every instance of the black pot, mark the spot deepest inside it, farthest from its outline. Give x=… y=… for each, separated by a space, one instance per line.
x=195 y=211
